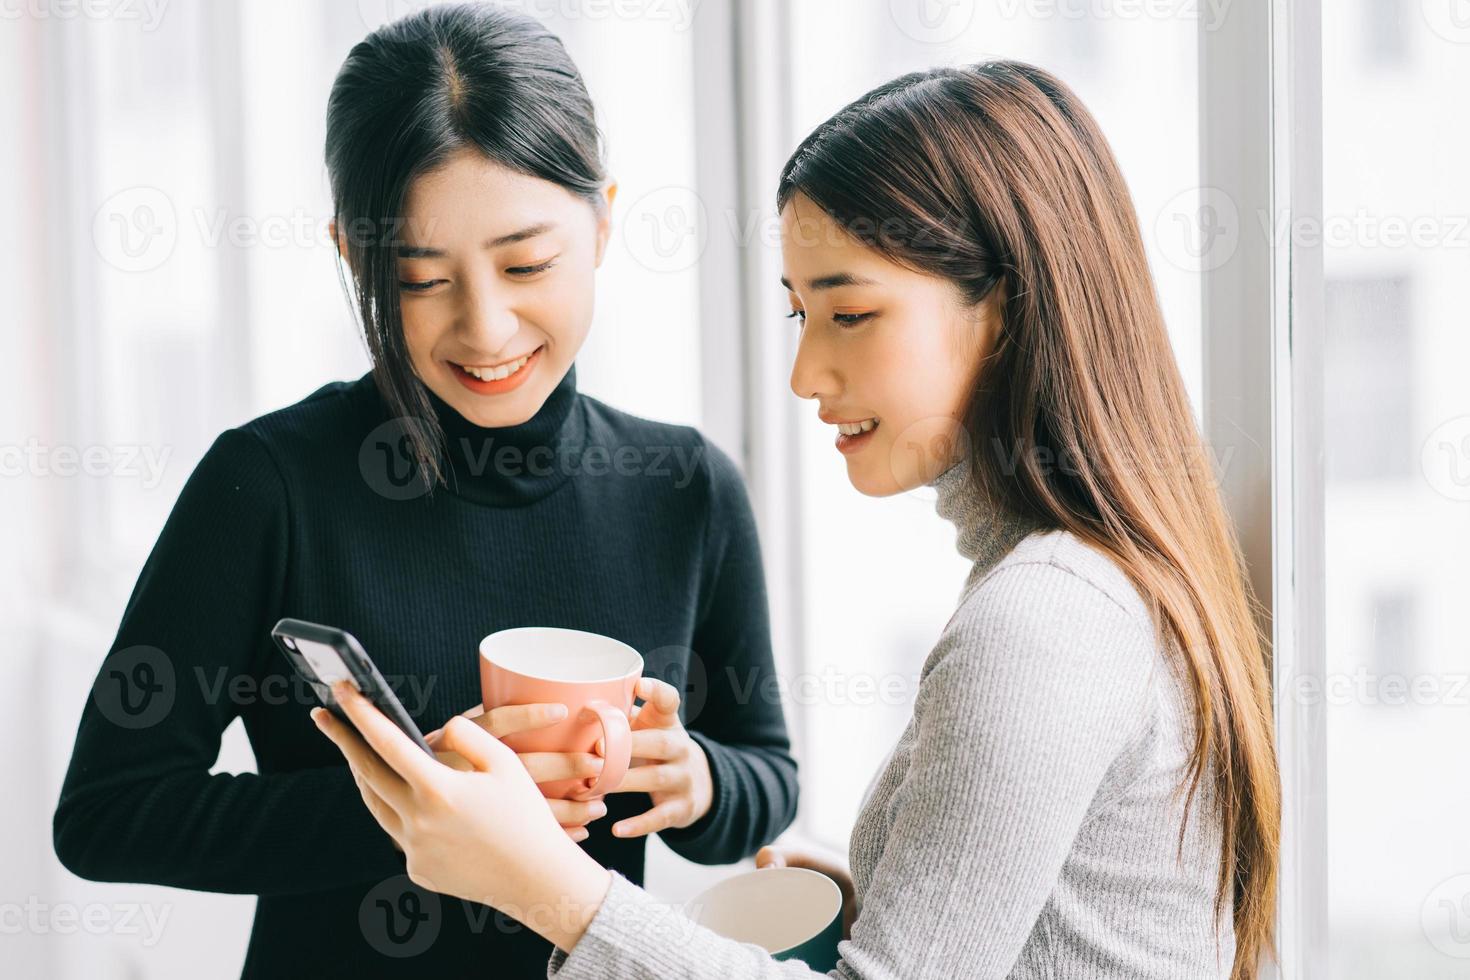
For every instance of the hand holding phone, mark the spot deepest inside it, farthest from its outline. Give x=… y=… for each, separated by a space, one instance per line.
x=324 y=655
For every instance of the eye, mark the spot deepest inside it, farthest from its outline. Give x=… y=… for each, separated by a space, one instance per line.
x=418 y=287
x=797 y=315
x=523 y=271
x=850 y=319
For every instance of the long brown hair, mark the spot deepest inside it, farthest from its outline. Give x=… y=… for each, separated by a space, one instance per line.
x=996 y=175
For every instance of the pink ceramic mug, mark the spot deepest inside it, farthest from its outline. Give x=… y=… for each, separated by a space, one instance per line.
x=593 y=675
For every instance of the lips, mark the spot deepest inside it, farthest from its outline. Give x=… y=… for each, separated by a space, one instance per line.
x=497 y=379
x=852 y=434
x=496 y=372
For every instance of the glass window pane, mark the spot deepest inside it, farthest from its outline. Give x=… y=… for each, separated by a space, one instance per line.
x=1397 y=419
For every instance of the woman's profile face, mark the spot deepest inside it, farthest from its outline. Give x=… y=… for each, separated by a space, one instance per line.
x=496 y=285
x=881 y=345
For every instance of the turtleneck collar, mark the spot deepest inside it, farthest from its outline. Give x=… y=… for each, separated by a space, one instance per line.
x=512 y=465
x=985 y=531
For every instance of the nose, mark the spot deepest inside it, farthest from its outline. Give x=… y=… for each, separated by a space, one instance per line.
x=812 y=375
x=488 y=322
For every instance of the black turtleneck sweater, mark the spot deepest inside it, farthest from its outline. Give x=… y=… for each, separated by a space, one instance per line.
x=583 y=517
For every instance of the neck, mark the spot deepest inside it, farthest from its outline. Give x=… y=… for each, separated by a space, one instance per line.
x=514 y=464
x=985 y=530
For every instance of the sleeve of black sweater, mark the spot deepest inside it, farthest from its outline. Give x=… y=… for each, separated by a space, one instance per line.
x=740 y=723
x=139 y=802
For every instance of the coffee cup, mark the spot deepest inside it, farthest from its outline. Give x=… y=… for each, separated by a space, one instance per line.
x=593 y=675
x=791 y=913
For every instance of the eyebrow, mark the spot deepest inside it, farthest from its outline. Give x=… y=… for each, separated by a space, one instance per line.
x=530 y=231
x=833 y=281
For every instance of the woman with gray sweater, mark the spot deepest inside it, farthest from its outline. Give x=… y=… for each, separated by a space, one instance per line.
x=1087 y=786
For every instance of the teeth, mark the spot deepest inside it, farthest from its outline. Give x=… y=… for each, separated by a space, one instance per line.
x=497 y=373
x=857 y=428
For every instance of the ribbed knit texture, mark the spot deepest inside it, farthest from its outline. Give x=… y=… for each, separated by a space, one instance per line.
x=593 y=519
x=1026 y=824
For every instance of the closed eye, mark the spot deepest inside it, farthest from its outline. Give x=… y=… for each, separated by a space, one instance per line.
x=531 y=270
x=418 y=287
x=850 y=319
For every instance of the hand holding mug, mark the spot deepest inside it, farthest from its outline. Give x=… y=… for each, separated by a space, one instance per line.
x=544 y=767
x=645 y=750
x=670 y=766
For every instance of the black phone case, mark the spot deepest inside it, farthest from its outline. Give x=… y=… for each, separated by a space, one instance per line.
x=363 y=670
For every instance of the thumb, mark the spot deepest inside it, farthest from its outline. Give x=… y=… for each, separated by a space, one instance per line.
x=475 y=745
x=770 y=857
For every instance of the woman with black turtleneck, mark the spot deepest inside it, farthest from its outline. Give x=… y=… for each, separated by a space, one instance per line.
x=461 y=487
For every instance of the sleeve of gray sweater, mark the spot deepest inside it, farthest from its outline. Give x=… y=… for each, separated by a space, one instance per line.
x=1036 y=687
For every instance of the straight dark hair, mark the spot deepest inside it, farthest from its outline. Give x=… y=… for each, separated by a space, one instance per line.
x=996 y=174
x=410 y=94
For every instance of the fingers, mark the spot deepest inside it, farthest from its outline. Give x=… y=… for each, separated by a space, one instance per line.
x=770 y=857
x=391 y=745
x=577 y=834
x=474 y=714
x=510 y=718
x=545 y=767
x=454 y=761
x=384 y=814
x=576 y=813
x=661 y=704
x=364 y=761
x=660 y=743
x=655 y=779
x=666 y=814
x=481 y=749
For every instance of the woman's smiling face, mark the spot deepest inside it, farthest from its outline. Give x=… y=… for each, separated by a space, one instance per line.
x=881 y=345
x=496 y=275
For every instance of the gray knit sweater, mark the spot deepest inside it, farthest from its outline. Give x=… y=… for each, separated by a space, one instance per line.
x=1027 y=823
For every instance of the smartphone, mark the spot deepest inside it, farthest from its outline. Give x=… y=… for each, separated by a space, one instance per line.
x=325 y=655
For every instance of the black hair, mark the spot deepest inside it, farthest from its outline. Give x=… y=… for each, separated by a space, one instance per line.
x=409 y=95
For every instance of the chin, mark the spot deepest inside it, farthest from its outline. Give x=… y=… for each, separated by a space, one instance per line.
x=872 y=484
x=504 y=417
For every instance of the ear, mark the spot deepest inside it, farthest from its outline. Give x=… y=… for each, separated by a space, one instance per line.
x=340 y=239
x=604 y=220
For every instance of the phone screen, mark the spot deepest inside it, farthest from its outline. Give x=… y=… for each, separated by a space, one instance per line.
x=326 y=655
x=325 y=662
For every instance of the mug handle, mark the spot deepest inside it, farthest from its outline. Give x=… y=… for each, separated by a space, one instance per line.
x=617 y=740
